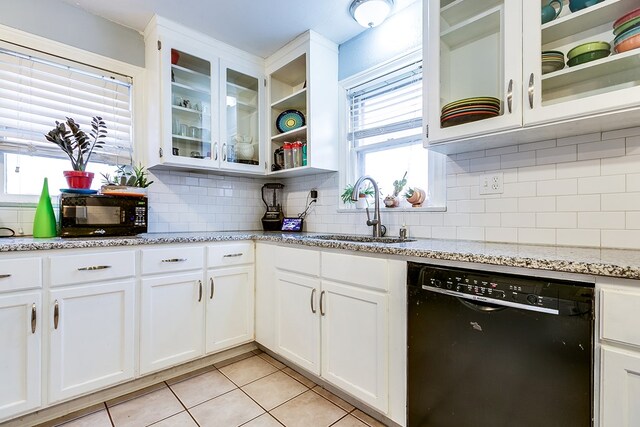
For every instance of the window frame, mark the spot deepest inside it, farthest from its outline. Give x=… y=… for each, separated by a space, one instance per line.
x=52 y=47
x=348 y=160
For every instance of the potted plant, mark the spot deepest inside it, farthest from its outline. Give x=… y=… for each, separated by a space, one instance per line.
x=128 y=179
x=416 y=196
x=362 y=196
x=78 y=146
x=393 y=201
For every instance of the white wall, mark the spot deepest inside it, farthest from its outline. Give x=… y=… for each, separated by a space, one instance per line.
x=577 y=191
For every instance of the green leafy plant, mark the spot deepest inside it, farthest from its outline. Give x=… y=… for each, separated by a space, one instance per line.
x=399 y=184
x=348 y=191
x=407 y=194
x=128 y=175
x=75 y=142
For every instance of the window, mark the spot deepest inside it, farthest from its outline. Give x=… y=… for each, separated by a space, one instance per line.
x=36 y=90
x=385 y=128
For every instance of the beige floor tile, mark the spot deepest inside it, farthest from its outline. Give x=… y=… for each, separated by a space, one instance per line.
x=234 y=359
x=264 y=420
x=367 y=419
x=145 y=410
x=135 y=394
x=273 y=361
x=350 y=421
x=73 y=416
x=97 y=419
x=248 y=370
x=201 y=388
x=183 y=419
x=308 y=410
x=191 y=374
x=274 y=390
x=229 y=410
x=333 y=398
x=304 y=380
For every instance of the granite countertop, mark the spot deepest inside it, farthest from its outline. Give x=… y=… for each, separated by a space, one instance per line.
x=600 y=262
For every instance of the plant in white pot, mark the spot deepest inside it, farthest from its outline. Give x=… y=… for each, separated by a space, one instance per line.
x=128 y=179
x=78 y=146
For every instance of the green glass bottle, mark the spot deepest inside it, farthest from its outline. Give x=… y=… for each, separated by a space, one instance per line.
x=44 y=222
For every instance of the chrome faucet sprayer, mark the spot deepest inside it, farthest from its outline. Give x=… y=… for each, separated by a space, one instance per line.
x=378 y=228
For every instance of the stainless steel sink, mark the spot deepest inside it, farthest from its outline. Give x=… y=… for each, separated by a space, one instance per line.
x=354 y=238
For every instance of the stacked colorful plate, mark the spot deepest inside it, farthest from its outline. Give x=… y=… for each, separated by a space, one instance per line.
x=627 y=32
x=469 y=110
x=588 y=52
x=552 y=60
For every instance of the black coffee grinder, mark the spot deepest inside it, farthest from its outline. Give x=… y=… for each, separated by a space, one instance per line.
x=272 y=219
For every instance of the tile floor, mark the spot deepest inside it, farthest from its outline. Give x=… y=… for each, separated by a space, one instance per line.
x=252 y=390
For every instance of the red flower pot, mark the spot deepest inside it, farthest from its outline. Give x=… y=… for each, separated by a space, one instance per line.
x=78 y=179
x=175 y=56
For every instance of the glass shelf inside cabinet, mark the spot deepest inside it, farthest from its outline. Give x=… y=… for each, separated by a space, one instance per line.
x=471 y=60
x=191 y=107
x=243 y=136
x=616 y=71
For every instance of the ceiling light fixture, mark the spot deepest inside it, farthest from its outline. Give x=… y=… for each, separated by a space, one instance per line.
x=370 y=13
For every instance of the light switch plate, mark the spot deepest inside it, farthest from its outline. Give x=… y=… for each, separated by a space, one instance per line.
x=492 y=183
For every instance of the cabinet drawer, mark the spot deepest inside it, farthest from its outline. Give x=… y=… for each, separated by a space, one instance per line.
x=620 y=312
x=299 y=260
x=230 y=254
x=357 y=270
x=20 y=273
x=172 y=259
x=69 y=269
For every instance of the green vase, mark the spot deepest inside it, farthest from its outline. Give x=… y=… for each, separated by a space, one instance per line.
x=44 y=222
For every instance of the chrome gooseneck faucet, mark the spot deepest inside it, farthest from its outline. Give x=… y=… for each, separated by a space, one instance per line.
x=378 y=228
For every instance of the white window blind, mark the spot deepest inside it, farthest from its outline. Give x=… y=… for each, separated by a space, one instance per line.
x=37 y=89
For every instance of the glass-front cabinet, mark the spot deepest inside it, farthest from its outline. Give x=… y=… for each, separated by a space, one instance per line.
x=473 y=67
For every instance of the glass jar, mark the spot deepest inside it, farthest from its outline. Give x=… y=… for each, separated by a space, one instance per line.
x=288 y=155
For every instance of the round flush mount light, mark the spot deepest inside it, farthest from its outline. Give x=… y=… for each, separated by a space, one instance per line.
x=370 y=13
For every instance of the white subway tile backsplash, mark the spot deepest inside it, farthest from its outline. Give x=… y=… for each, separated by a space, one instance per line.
x=579 y=139
x=518 y=160
x=519 y=189
x=620 y=202
x=470 y=233
x=458 y=193
x=621 y=133
x=550 y=156
x=484 y=220
x=578 y=169
x=601 y=184
x=633 y=145
x=537 y=173
x=537 y=204
x=619 y=165
x=470 y=206
x=537 y=145
x=443 y=232
x=484 y=164
x=501 y=234
x=536 y=236
x=556 y=220
x=501 y=205
x=632 y=221
x=516 y=220
x=557 y=187
x=599 y=220
x=501 y=150
x=457 y=219
x=601 y=149
x=574 y=237
x=623 y=239
x=578 y=203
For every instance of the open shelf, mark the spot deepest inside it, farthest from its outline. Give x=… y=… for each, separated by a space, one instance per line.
x=292 y=135
x=479 y=26
x=460 y=10
x=295 y=101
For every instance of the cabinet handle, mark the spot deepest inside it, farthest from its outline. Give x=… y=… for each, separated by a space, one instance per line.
x=215 y=151
x=322 y=303
x=510 y=95
x=531 y=91
x=224 y=152
x=199 y=290
x=212 y=287
x=56 y=314
x=232 y=255
x=313 y=308
x=4 y=276
x=94 y=267
x=174 y=260
x=33 y=318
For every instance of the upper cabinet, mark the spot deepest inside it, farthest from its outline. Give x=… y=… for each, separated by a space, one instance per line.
x=204 y=102
x=499 y=76
x=302 y=93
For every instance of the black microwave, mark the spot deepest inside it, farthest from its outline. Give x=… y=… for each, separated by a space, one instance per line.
x=97 y=215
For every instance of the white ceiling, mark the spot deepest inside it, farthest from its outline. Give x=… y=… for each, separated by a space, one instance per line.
x=257 y=26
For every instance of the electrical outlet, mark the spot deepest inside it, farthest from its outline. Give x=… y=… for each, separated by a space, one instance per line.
x=491 y=183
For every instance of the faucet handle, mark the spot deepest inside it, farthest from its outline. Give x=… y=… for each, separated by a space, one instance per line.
x=368 y=216
x=370 y=221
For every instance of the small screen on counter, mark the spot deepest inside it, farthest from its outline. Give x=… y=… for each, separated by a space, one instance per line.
x=292 y=224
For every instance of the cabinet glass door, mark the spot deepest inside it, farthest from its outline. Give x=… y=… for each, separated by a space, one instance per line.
x=474 y=67
x=241 y=143
x=191 y=132
x=583 y=79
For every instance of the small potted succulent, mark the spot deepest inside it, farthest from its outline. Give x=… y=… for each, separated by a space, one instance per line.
x=78 y=146
x=416 y=196
x=364 y=193
x=127 y=180
x=393 y=201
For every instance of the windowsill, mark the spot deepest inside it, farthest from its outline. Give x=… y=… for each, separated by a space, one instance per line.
x=401 y=209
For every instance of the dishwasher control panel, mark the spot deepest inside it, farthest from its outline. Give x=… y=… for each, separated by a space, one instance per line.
x=491 y=287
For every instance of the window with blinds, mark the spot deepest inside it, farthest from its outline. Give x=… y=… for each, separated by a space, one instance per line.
x=385 y=128
x=37 y=89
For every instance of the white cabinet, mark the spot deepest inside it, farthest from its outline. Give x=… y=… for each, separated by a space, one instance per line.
x=332 y=325
x=620 y=387
x=493 y=48
x=90 y=321
x=204 y=98
x=171 y=320
x=20 y=357
x=302 y=77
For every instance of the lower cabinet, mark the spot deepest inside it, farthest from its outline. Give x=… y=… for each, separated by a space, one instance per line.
x=620 y=388
x=91 y=337
x=229 y=312
x=171 y=320
x=20 y=352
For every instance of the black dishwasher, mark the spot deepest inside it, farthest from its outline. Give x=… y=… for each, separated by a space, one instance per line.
x=494 y=349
